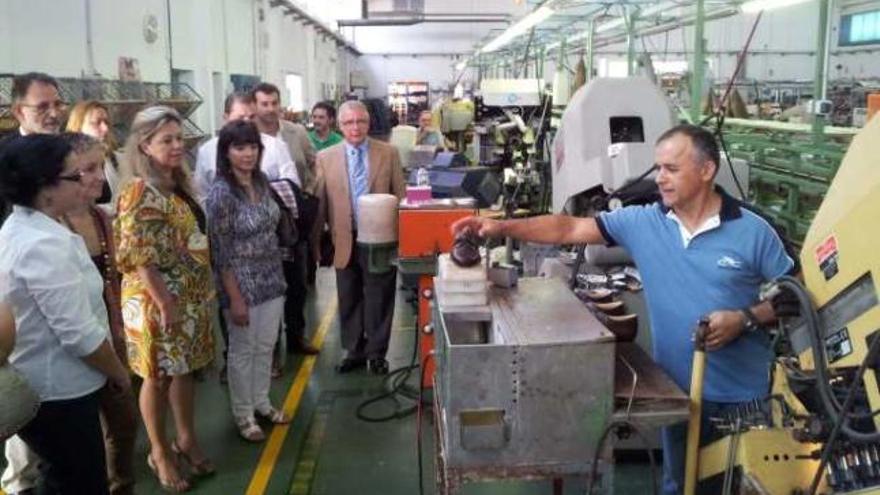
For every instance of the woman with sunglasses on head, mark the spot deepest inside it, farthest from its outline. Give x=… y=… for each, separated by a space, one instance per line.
x=118 y=411
x=63 y=343
x=167 y=289
x=92 y=118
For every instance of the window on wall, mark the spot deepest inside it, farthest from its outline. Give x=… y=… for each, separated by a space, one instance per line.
x=862 y=28
x=612 y=68
x=294 y=85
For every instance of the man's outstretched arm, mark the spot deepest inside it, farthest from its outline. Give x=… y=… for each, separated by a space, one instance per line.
x=546 y=229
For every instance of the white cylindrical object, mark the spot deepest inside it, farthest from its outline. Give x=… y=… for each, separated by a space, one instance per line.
x=377 y=219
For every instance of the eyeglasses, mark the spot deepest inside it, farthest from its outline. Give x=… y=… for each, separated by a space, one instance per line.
x=45 y=107
x=349 y=123
x=74 y=177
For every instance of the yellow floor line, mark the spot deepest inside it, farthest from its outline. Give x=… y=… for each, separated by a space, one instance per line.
x=269 y=457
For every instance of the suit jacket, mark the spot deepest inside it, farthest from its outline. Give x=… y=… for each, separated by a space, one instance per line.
x=301 y=150
x=385 y=177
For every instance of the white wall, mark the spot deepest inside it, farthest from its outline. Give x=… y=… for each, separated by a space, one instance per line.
x=211 y=39
x=50 y=36
x=438 y=71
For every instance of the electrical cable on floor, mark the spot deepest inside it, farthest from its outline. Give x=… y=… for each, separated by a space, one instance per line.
x=621 y=428
x=395 y=383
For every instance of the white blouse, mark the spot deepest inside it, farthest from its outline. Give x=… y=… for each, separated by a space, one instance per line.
x=56 y=295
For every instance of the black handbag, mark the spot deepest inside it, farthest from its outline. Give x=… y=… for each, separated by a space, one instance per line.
x=287 y=231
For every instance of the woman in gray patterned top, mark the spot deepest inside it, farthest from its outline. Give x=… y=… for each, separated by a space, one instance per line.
x=242 y=221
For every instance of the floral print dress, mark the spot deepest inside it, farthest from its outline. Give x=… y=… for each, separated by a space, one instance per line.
x=162 y=232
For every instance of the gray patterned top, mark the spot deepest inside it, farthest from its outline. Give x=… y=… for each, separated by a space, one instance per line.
x=243 y=240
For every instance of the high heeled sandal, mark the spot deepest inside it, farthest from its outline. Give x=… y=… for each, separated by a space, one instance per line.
x=199 y=469
x=170 y=486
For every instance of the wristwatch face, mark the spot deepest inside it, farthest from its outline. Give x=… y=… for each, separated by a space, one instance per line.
x=751 y=321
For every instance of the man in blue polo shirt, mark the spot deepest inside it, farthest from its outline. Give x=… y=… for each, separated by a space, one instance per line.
x=701 y=253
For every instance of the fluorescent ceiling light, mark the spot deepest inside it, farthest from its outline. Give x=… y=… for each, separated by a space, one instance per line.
x=755 y=6
x=528 y=22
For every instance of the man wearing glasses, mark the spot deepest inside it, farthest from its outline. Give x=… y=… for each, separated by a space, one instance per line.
x=36 y=104
x=346 y=171
x=39 y=109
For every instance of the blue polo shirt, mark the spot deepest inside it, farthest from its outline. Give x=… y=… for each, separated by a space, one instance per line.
x=685 y=277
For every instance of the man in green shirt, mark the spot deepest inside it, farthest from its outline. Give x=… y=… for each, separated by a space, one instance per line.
x=323 y=121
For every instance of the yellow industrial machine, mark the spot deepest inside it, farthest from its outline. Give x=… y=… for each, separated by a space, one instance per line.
x=819 y=430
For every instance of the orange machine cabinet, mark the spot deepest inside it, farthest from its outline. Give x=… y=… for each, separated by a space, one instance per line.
x=873 y=105
x=425 y=232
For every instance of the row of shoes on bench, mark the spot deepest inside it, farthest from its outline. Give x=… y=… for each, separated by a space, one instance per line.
x=611 y=312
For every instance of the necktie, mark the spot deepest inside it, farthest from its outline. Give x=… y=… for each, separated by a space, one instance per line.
x=358 y=179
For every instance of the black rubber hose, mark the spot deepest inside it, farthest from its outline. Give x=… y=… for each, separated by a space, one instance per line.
x=829 y=402
x=839 y=423
x=616 y=425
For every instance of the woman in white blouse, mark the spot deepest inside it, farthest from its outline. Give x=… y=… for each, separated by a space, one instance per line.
x=62 y=342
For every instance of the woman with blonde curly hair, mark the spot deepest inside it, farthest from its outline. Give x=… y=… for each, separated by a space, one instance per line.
x=167 y=289
x=92 y=118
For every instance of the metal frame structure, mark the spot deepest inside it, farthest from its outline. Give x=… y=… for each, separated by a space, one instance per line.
x=583 y=26
x=123 y=100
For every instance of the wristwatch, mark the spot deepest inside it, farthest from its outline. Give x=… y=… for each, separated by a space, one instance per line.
x=751 y=324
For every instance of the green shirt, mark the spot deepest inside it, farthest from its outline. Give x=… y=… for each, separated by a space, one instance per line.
x=333 y=138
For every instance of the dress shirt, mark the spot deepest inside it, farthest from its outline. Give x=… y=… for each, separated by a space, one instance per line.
x=358 y=161
x=57 y=297
x=275 y=163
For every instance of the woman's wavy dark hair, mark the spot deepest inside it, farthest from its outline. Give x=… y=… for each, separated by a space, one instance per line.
x=30 y=163
x=239 y=132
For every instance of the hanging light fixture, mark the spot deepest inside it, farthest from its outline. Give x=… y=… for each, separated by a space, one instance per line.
x=755 y=6
x=522 y=26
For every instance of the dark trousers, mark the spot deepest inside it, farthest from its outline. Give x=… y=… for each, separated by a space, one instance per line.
x=119 y=422
x=295 y=274
x=366 y=306
x=674 y=439
x=66 y=434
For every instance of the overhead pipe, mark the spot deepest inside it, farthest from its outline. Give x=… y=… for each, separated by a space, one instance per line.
x=670 y=26
x=658 y=29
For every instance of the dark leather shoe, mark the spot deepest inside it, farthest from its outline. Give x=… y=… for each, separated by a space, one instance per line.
x=302 y=346
x=466 y=249
x=624 y=327
x=378 y=366
x=614 y=308
x=348 y=365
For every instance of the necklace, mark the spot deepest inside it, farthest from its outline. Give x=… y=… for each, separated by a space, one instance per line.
x=102 y=239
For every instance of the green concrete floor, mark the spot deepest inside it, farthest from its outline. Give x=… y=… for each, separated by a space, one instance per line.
x=328 y=450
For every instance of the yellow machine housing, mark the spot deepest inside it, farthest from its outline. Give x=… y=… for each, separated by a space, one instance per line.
x=841 y=266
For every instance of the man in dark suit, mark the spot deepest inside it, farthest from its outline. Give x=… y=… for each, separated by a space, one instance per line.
x=346 y=171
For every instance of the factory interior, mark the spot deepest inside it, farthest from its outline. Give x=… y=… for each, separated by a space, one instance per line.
x=496 y=247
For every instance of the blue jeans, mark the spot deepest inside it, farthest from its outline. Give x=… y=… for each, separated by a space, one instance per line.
x=674 y=439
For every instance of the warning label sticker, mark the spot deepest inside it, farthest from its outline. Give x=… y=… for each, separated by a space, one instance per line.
x=827 y=257
x=838 y=345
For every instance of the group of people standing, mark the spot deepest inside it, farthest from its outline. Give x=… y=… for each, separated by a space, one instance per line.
x=110 y=262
